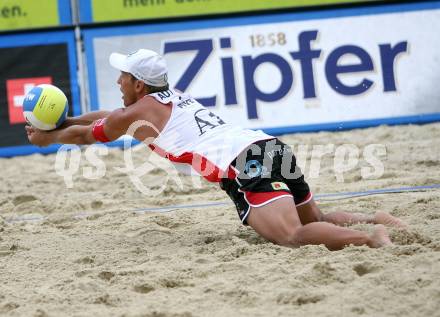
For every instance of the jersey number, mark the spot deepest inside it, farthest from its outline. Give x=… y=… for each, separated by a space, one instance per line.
x=207 y=120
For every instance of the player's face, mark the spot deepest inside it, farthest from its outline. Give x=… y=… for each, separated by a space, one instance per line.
x=127 y=86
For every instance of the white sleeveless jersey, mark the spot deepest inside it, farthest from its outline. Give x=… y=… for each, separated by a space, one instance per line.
x=196 y=140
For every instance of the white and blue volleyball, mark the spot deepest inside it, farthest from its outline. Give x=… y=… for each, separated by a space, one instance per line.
x=45 y=107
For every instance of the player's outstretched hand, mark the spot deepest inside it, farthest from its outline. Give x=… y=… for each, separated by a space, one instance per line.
x=37 y=137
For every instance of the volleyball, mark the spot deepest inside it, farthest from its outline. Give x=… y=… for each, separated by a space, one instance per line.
x=45 y=107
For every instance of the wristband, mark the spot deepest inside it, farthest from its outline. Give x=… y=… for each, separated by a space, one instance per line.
x=98 y=131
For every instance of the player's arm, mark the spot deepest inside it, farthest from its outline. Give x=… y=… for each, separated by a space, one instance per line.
x=75 y=134
x=85 y=119
x=106 y=129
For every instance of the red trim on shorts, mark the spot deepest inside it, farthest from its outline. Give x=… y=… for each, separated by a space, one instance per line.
x=306 y=199
x=261 y=199
x=98 y=131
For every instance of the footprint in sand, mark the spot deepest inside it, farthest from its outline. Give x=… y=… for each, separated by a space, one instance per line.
x=106 y=275
x=362 y=269
x=86 y=260
x=299 y=299
x=20 y=199
x=143 y=288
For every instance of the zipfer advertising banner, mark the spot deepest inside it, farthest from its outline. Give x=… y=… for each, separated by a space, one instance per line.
x=25 y=14
x=116 y=10
x=47 y=58
x=337 y=69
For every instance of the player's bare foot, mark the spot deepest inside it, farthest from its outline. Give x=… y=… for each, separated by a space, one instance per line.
x=386 y=219
x=379 y=237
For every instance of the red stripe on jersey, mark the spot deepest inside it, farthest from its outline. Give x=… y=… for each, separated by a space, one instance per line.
x=201 y=164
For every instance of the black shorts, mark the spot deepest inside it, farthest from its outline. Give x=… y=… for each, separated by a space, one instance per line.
x=265 y=171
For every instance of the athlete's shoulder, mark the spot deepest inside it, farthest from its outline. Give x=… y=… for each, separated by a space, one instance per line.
x=165 y=96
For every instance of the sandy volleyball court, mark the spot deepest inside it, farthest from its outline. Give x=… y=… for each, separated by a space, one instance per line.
x=92 y=255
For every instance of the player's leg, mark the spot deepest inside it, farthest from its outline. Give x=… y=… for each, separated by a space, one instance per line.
x=278 y=221
x=310 y=212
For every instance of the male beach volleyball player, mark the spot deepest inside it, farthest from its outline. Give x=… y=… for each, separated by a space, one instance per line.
x=256 y=170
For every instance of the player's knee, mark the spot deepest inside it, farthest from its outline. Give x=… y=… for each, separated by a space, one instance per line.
x=290 y=237
x=317 y=216
x=310 y=213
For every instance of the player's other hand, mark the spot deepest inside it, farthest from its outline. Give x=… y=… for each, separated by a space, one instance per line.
x=37 y=137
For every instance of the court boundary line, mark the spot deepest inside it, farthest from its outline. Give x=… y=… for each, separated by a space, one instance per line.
x=318 y=197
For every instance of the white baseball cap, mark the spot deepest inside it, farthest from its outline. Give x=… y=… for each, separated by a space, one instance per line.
x=145 y=65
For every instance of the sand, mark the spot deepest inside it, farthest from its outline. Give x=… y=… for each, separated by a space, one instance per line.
x=84 y=251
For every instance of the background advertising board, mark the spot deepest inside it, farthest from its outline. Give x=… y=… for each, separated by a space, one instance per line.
x=116 y=10
x=27 y=61
x=25 y=14
x=292 y=72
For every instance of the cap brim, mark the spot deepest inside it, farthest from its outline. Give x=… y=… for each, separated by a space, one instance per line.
x=118 y=61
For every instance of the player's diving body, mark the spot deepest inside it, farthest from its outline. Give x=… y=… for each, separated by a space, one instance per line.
x=256 y=170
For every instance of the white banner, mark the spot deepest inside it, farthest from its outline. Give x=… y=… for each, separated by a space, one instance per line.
x=291 y=70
